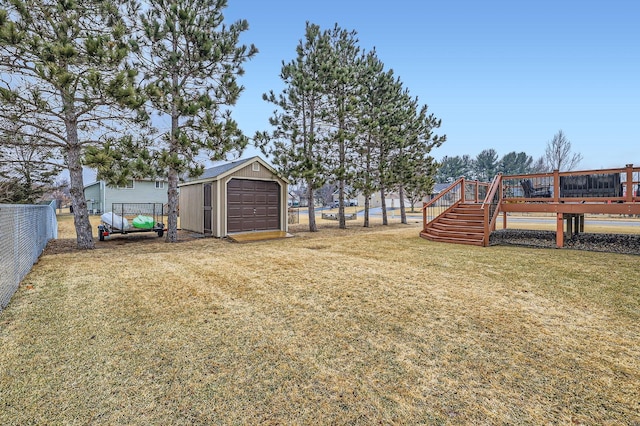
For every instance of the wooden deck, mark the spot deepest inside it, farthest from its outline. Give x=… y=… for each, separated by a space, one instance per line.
x=570 y=195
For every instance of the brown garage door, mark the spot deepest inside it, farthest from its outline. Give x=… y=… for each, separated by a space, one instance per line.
x=252 y=205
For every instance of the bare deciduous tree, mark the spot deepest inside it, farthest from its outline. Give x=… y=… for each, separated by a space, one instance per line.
x=558 y=154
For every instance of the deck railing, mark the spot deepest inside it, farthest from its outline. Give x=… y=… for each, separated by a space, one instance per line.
x=584 y=186
x=469 y=191
x=442 y=202
x=491 y=207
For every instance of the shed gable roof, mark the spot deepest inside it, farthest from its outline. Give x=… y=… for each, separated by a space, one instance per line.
x=218 y=172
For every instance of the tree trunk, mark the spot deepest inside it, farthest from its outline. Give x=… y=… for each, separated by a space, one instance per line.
x=403 y=211
x=367 y=205
x=367 y=183
x=84 y=236
x=172 y=207
x=341 y=218
x=313 y=227
x=383 y=205
x=172 y=174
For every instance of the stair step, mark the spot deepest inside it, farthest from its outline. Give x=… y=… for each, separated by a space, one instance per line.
x=451 y=240
x=456 y=234
x=458 y=216
x=459 y=229
x=464 y=224
x=453 y=221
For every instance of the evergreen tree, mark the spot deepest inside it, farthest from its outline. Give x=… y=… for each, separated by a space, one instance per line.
x=68 y=81
x=515 y=163
x=412 y=164
x=191 y=62
x=296 y=144
x=486 y=165
x=452 y=168
x=420 y=184
x=377 y=93
x=340 y=78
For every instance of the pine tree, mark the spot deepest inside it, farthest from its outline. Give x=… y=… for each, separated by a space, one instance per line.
x=515 y=163
x=413 y=165
x=295 y=145
x=191 y=62
x=486 y=165
x=452 y=168
x=340 y=77
x=68 y=81
x=375 y=86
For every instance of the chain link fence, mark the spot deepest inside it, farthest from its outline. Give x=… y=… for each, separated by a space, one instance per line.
x=24 y=233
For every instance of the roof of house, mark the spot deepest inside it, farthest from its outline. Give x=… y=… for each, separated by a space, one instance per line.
x=439 y=187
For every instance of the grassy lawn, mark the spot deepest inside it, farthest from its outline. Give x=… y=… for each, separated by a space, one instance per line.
x=349 y=326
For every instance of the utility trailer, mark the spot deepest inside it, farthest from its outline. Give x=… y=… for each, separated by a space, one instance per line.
x=125 y=218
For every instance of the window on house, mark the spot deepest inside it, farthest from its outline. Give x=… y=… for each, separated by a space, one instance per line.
x=129 y=185
x=255 y=167
x=159 y=184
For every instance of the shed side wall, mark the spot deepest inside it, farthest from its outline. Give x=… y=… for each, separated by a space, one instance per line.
x=191 y=199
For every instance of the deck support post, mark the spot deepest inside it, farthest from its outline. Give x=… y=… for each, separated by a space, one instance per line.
x=575 y=223
x=570 y=224
x=504 y=220
x=581 y=223
x=559 y=231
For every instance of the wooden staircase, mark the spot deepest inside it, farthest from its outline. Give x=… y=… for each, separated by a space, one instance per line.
x=463 y=224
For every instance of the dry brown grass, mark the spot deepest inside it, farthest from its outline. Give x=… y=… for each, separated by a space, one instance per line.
x=338 y=327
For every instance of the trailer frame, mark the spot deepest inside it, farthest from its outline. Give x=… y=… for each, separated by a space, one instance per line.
x=129 y=211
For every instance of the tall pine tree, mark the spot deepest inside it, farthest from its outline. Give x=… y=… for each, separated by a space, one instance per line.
x=68 y=81
x=295 y=145
x=191 y=62
x=340 y=77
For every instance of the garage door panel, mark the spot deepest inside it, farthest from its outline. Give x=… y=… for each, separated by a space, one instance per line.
x=234 y=212
x=234 y=198
x=248 y=211
x=252 y=205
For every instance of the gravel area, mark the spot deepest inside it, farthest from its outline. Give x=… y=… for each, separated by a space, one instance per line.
x=612 y=243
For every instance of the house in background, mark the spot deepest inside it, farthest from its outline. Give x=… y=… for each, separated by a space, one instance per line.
x=101 y=196
x=437 y=189
x=242 y=196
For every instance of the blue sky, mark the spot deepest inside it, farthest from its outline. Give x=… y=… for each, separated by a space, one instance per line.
x=505 y=75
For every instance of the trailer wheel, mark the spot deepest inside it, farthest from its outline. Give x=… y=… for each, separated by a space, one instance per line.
x=161 y=233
